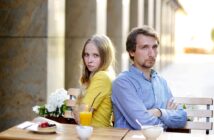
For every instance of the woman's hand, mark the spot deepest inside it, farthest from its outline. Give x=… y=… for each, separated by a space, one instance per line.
x=76 y=114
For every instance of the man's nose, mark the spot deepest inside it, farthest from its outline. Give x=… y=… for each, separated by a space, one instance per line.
x=151 y=52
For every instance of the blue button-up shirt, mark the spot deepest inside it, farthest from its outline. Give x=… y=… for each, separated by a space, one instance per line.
x=133 y=95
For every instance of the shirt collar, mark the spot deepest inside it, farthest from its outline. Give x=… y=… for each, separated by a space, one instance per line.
x=136 y=71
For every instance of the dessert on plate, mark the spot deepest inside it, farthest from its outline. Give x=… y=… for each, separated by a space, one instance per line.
x=46 y=127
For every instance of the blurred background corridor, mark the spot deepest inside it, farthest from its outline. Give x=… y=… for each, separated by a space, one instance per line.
x=190 y=75
x=41 y=43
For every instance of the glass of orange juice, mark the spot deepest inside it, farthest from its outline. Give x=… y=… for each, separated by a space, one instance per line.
x=85 y=115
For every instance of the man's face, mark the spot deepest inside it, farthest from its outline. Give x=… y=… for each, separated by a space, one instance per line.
x=146 y=52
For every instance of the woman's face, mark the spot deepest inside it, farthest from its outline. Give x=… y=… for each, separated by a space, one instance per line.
x=92 y=57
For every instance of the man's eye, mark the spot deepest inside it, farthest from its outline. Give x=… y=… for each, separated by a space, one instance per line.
x=155 y=46
x=145 y=47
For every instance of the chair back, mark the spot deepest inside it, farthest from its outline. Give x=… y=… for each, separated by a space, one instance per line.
x=200 y=117
x=71 y=102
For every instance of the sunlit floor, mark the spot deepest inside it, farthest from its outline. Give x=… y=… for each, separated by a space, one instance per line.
x=191 y=75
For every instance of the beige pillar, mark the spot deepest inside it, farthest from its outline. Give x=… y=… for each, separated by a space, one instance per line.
x=117 y=29
x=163 y=34
x=23 y=59
x=157 y=26
x=145 y=11
x=151 y=13
x=55 y=54
x=136 y=13
x=173 y=50
x=82 y=21
x=167 y=33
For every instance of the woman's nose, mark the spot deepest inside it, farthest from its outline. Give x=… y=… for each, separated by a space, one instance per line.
x=90 y=59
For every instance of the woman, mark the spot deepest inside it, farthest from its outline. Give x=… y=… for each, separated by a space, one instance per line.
x=98 y=56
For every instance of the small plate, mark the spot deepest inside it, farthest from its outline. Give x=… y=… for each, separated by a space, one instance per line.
x=35 y=128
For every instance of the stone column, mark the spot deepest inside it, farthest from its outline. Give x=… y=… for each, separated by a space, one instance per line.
x=117 y=29
x=136 y=13
x=23 y=59
x=167 y=34
x=56 y=48
x=157 y=26
x=163 y=35
x=146 y=12
x=82 y=21
x=151 y=13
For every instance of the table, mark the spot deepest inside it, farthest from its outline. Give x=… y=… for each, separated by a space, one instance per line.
x=137 y=135
x=64 y=132
x=68 y=132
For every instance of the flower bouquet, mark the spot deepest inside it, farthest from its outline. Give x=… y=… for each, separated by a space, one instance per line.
x=55 y=106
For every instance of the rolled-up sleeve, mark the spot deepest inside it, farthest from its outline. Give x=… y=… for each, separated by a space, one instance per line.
x=174 y=118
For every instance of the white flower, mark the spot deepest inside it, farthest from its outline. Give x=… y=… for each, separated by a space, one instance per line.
x=36 y=109
x=54 y=104
x=57 y=98
x=50 y=107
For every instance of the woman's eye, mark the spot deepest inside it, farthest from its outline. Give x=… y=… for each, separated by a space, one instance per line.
x=86 y=55
x=96 y=55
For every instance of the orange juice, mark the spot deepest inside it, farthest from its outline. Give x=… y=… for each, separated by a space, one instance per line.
x=85 y=118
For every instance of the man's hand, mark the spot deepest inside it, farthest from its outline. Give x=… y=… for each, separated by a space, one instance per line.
x=156 y=112
x=171 y=105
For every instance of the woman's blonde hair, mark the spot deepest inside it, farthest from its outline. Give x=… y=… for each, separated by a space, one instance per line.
x=107 y=55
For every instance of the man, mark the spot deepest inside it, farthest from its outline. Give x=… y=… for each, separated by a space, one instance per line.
x=140 y=93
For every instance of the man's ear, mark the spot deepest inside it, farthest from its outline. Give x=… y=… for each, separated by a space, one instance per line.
x=131 y=53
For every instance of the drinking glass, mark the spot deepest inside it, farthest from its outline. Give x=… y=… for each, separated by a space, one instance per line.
x=85 y=115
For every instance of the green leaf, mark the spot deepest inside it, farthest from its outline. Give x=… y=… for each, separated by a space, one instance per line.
x=42 y=110
x=184 y=106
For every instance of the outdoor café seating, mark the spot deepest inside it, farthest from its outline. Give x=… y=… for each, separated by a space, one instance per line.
x=199 y=113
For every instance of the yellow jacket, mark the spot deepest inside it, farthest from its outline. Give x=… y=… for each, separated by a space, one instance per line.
x=101 y=83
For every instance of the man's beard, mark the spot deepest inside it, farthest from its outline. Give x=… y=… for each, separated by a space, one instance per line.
x=150 y=65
